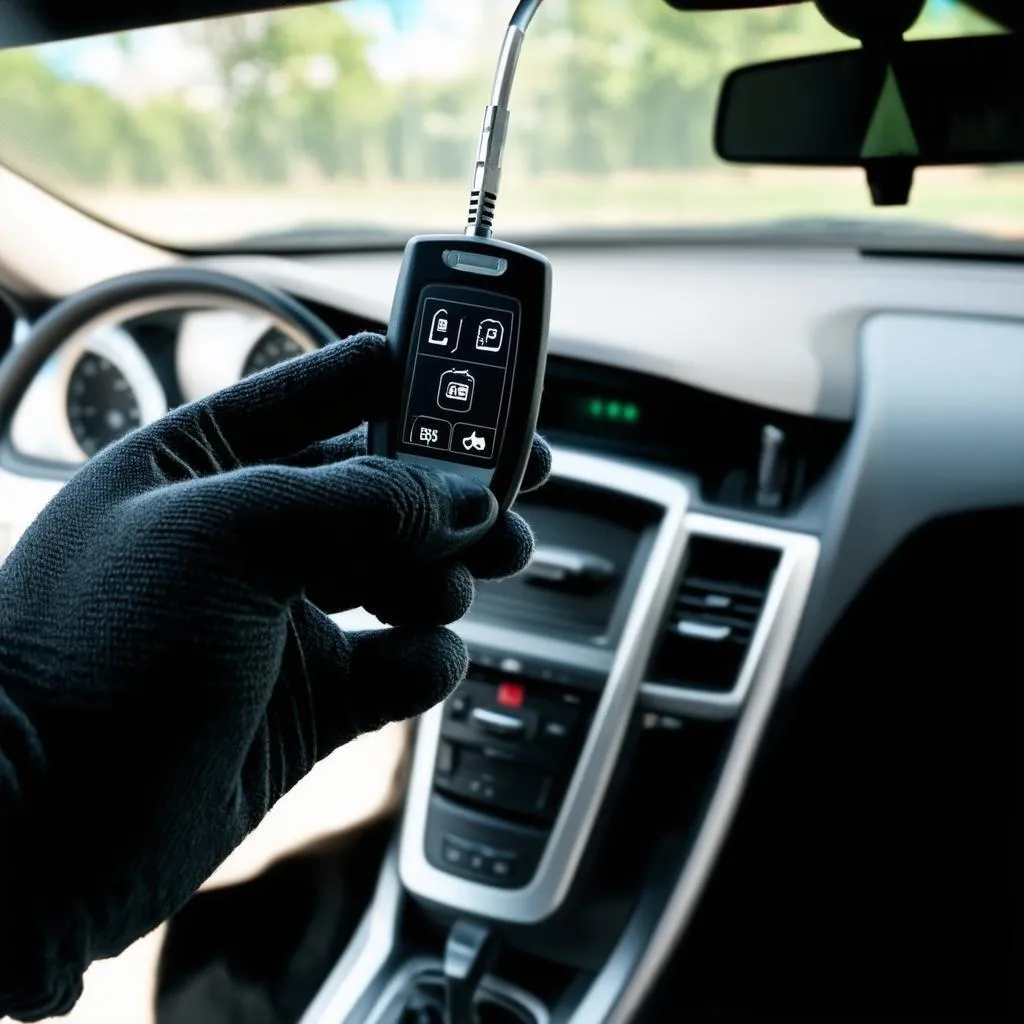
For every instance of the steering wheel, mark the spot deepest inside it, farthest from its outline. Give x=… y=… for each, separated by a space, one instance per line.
x=131 y=295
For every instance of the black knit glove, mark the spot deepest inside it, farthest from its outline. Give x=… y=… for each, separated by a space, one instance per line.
x=167 y=669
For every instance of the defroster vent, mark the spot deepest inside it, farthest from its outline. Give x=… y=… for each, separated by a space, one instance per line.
x=715 y=613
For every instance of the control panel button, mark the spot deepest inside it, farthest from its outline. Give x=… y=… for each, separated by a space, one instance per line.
x=499 y=723
x=458 y=705
x=481 y=786
x=558 y=723
x=511 y=695
x=501 y=867
x=477 y=858
x=555 y=730
x=445 y=758
x=453 y=854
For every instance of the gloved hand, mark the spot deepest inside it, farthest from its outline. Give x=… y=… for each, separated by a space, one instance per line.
x=167 y=669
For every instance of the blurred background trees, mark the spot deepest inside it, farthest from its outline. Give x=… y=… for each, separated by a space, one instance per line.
x=605 y=87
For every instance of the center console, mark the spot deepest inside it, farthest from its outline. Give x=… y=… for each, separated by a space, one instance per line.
x=537 y=793
x=570 y=797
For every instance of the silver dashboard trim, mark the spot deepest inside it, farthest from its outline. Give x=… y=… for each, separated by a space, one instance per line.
x=365 y=956
x=628 y=976
x=585 y=794
x=681 y=700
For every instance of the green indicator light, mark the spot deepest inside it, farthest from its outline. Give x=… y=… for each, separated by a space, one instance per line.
x=611 y=409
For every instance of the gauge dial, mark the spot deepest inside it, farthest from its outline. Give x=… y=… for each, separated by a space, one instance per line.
x=101 y=404
x=272 y=348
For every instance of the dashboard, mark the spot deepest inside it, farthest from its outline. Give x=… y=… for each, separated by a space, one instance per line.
x=743 y=440
x=772 y=380
x=120 y=375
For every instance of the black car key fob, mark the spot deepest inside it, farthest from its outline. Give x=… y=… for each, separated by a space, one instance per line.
x=468 y=341
x=468 y=334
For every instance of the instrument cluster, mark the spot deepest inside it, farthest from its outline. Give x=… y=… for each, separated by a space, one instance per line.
x=115 y=378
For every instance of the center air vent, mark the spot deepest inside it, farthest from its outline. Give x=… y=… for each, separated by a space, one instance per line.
x=715 y=614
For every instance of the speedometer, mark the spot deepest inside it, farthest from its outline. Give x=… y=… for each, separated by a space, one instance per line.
x=218 y=347
x=272 y=348
x=101 y=405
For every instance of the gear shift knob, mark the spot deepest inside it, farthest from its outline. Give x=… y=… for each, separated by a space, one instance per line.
x=468 y=953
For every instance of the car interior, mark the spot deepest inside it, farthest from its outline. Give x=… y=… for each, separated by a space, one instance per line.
x=739 y=742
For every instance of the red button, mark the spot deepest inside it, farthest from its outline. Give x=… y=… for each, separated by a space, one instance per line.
x=511 y=695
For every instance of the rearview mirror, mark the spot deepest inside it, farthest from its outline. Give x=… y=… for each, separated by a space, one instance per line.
x=944 y=101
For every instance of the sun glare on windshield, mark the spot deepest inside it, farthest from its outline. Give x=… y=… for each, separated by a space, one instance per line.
x=359 y=119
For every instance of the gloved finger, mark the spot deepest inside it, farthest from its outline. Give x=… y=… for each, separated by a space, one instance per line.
x=503 y=551
x=298 y=529
x=307 y=399
x=335 y=449
x=439 y=594
x=538 y=467
x=401 y=594
x=435 y=596
x=361 y=681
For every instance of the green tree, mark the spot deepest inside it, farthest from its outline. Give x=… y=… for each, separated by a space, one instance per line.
x=299 y=86
x=166 y=140
x=67 y=129
x=576 y=85
x=202 y=155
x=605 y=86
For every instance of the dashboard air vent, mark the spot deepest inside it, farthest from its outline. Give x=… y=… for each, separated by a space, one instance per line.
x=715 y=614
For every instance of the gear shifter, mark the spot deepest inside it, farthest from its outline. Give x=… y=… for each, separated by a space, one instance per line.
x=468 y=953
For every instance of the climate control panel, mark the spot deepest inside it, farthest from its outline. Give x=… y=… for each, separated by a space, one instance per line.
x=507 y=750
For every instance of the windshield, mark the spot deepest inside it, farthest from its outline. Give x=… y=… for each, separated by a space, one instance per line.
x=360 y=119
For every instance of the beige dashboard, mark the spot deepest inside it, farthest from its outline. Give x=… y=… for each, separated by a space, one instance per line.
x=775 y=327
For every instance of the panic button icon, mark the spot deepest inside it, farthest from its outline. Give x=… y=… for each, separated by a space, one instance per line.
x=455 y=391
